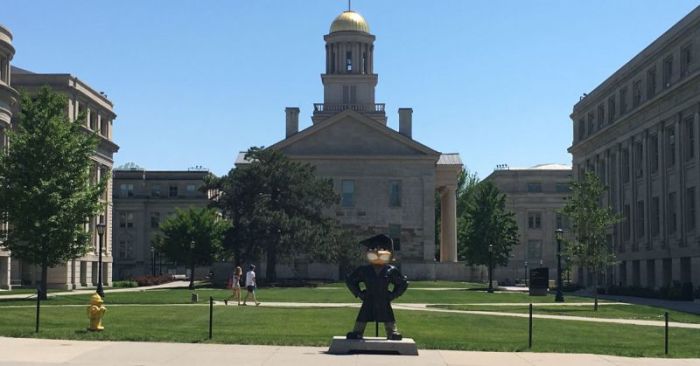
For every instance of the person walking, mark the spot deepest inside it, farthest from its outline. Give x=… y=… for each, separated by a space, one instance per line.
x=236 y=285
x=250 y=285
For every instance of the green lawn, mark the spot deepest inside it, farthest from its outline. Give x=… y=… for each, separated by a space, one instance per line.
x=640 y=312
x=315 y=327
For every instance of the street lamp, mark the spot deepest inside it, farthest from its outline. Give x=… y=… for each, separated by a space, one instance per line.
x=192 y=244
x=153 y=261
x=100 y=232
x=559 y=235
x=526 y=275
x=490 y=290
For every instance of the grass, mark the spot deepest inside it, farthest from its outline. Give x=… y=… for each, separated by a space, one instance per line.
x=638 y=312
x=315 y=327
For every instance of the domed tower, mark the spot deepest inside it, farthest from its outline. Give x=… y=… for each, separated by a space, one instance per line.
x=349 y=80
x=8 y=96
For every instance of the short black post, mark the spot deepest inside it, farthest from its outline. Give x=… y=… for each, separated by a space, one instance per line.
x=666 y=333
x=38 y=305
x=529 y=340
x=376 y=329
x=211 y=314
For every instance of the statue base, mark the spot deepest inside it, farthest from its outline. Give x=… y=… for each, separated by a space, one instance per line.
x=341 y=345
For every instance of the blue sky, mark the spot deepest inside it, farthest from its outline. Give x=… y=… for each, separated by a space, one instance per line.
x=194 y=82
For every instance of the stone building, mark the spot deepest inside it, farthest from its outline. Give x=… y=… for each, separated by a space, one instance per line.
x=81 y=98
x=142 y=200
x=536 y=195
x=638 y=131
x=387 y=180
x=8 y=106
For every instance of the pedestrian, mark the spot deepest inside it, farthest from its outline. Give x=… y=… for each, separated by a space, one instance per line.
x=236 y=285
x=250 y=285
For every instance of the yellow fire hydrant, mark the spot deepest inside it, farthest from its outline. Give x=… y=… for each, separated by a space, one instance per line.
x=95 y=312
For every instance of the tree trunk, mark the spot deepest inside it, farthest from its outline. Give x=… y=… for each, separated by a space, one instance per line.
x=595 y=290
x=271 y=270
x=44 y=280
x=192 y=276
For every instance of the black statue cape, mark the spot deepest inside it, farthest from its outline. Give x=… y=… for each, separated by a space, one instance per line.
x=376 y=299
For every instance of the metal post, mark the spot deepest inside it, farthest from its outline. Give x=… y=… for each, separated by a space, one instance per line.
x=38 y=305
x=376 y=329
x=666 y=333
x=100 y=290
x=560 y=296
x=211 y=315
x=529 y=339
x=490 y=290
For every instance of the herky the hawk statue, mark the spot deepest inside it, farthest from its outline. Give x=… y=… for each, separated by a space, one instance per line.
x=376 y=296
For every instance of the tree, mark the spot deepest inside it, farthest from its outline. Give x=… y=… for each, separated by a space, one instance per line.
x=46 y=193
x=487 y=222
x=275 y=205
x=466 y=183
x=192 y=237
x=591 y=223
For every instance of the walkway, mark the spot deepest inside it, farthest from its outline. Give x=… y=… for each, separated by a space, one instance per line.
x=23 y=351
x=692 y=307
x=174 y=284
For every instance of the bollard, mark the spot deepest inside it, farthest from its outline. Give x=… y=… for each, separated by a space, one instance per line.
x=38 y=304
x=666 y=333
x=529 y=340
x=376 y=329
x=211 y=314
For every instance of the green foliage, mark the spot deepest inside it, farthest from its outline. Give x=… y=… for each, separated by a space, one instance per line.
x=45 y=191
x=124 y=284
x=487 y=222
x=201 y=226
x=275 y=205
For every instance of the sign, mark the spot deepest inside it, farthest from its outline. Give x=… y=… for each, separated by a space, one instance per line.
x=539 y=281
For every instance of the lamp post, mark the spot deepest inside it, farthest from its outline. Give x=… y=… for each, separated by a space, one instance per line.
x=153 y=261
x=490 y=290
x=192 y=244
x=527 y=275
x=558 y=234
x=100 y=234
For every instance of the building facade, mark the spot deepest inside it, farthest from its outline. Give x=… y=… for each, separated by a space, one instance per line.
x=536 y=196
x=387 y=180
x=142 y=200
x=8 y=106
x=638 y=131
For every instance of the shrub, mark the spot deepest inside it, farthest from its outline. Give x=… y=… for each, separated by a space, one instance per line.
x=677 y=291
x=124 y=284
x=149 y=280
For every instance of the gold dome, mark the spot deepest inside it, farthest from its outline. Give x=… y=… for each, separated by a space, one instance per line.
x=349 y=21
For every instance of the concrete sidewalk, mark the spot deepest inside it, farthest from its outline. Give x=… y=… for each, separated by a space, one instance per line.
x=90 y=291
x=27 y=351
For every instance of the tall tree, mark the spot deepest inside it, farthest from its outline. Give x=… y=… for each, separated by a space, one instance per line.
x=46 y=193
x=192 y=237
x=487 y=222
x=275 y=205
x=591 y=223
x=466 y=184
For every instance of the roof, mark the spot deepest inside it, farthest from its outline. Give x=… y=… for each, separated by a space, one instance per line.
x=449 y=159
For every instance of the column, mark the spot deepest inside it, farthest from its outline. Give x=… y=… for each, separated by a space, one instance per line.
x=448 y=227
x=5 y=272
x=107 y=274
x=77 y=275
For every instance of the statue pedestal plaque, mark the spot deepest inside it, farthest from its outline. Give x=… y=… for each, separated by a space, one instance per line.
x=341 y=345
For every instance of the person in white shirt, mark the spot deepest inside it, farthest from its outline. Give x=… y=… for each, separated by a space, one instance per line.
x=250 y=285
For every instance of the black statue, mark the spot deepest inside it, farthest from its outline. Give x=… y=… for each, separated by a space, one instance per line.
x=376 y=297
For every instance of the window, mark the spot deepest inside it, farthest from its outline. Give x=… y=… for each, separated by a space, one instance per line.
x=333 y=61
x=172 y=191
x=581 y=129
x=534 y=220
x=562 y=222
x=534 y=252
x=534 y=187
x=636 y=93
x=625 y=165
x=670 y=146
x=93 y=119
x=690 y=208
x=126 y=219
x=394 y=193
x=127 y=190
x=640 y=219
x=191 y=188
x=626 y=232
x=689 y=138
x=155 y=220
x=122 y=219
x=655 y=216
x=395 y=235
x=654 y=153
x=611 y=109
x=651 y=82
x=590 y=124
x=347 y=194
x=666 y=269
x=667 y=71
x=601 y=116
x=348 y=61
x=563 y=188
x=686 y=59
x=623 y=273
x=155 y=190
x=638 y=160
x=651 y=273
x=635 y=274
x=623 y=101
x=672 y=213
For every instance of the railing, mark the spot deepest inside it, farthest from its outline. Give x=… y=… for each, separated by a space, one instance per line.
x=367 y=108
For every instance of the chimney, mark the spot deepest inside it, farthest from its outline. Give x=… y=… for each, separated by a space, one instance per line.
x=405 y=121
x=292 y=120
